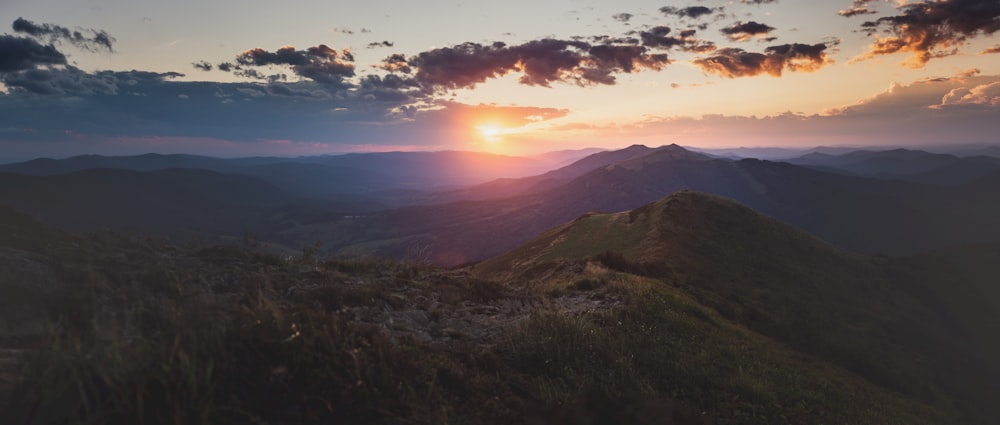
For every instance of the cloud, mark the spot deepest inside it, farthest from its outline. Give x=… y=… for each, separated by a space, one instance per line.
x=384 y=43
x=855 y=11
x=502 y=116
x=97 y=40
x=20 y=53
x=858 y=7
x=321 y=64
x=693 y=12
x=743 y=31
x=990 y=50
x=622 y=17
x=981 y=95
x=540 y=62
x=900 y=116
x=757 y=1
x=734 y=62
x=933 y=29
x=203 y=65
x=658 y=37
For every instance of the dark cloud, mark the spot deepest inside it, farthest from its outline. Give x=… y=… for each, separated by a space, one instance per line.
x=622 y=17
x=71 y=81
x=321 y=64
x=96 y=40
x=540 y=62
x=659 y=37
x=858 y=7
x=758 y=1
x=855 y=11
x=375 y=44
x=20 y=53
x=743 y=31
x=933 y=29
x=391 y=87
x=733 y=62
x=395 y=62
x=693 y=12
x=204 y=66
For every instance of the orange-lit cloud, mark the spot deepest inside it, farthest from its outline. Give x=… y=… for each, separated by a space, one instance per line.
x=734 y=62
x=932 y=29
x=858 y=7
x=990 y=50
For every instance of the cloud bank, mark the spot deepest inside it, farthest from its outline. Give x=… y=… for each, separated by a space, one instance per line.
x=933 y=29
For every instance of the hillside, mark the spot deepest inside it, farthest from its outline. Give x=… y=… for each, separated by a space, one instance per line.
x=688 y=321
x=918 y=326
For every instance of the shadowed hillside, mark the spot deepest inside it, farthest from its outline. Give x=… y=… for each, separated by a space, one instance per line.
x=702 y=312
x=913 y=325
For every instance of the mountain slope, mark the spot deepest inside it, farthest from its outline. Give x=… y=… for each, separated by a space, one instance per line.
x=505 y=188
x=141 y=331
x=911 y=335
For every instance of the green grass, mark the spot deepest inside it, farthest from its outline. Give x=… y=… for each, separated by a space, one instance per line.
x=667 y=353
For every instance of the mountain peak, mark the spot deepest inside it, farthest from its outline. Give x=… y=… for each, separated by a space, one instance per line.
x=683 y=224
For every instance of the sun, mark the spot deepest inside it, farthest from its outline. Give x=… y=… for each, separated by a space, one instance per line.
x=490 y=133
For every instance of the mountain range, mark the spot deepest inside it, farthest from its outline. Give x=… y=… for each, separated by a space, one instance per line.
x=391 y=205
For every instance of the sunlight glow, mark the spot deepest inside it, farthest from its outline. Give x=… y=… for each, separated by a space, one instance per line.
x=491 y=133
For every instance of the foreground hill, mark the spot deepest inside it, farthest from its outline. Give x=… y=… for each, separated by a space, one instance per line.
x=923 y=327
x=139 y=331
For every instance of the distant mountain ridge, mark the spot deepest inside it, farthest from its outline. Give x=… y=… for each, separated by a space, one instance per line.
x=867 y=215
x=319 y=176
x=903 y=164
x=503 y=188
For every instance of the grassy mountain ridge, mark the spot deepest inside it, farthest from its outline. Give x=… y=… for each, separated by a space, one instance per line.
x=891 y=321
x=145 y=332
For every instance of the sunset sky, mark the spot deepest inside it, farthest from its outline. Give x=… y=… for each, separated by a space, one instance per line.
x=241 y=78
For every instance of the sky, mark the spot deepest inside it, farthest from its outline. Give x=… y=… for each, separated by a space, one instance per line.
x=247 y=78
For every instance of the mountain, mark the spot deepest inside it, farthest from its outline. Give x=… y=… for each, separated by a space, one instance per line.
x=863 y=214
x=694 y=310
x=145 y=162
x=163 y=202
x=903 y=164
x=557 y=159
x=504 y=188
x=322 y=176
x=771 y=153
x=916 y=326
x=430 y=170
